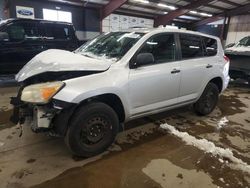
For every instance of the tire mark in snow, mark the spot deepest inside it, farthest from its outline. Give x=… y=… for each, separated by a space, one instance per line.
x=208 y=147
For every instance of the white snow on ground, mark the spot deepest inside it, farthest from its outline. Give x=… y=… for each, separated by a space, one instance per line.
x=221 y=160
x=209 y=147
x=222 y=180
x=222 y=123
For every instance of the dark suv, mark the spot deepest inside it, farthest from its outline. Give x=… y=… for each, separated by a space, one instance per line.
x=22 y=39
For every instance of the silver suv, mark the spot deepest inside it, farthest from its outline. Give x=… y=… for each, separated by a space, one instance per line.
x=87 y=95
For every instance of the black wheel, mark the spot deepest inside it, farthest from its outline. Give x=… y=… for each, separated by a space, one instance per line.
x=92 y=130
x=208 y=100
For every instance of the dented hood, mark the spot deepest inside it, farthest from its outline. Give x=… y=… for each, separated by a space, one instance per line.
x=60 y=60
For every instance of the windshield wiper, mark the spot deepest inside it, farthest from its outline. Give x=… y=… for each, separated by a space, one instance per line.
x=86 y=55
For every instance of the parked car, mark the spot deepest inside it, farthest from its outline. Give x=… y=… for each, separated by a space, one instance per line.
x=239 y=55
x=86 y=96
x=22 y=39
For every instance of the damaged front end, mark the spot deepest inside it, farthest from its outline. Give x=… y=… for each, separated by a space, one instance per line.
x=49 y=116
x=20 y=110
x=41 y=79
x=52 y=117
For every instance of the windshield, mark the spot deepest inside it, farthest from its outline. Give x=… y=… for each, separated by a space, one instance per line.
x=244 y=42
x=111 y=46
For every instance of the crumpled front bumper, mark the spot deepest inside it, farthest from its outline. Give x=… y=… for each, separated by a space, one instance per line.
x=20 y=110
x=40 y=116
x=52 y=116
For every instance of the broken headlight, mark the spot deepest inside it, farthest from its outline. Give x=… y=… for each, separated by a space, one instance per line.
x=41 y=93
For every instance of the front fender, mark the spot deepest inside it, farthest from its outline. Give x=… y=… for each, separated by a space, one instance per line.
x=79 y=89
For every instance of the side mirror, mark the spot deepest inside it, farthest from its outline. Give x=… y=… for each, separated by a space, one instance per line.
x=4 y=36
x=144 y=59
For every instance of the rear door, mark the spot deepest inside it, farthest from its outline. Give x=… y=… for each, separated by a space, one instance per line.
x=212 y=57
x=193 y=66
x=24 y=43
x=59 y=36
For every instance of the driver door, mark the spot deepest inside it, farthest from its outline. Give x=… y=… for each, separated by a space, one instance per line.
x=155 y=86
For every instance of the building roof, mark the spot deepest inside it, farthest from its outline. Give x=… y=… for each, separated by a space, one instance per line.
x=165 y=11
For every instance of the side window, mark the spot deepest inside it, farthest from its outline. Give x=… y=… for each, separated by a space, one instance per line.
x=31 y=31
x=162 y=47
x=16 y=32
x=211 y=46
x=191 y=46
x=22 y=31
x=57 y=32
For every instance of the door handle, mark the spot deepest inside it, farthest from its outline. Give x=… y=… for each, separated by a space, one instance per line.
x=209 y=66
x=175 y=71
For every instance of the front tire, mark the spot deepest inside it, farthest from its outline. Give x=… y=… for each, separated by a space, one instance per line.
x=93 y=129
x=208 y=100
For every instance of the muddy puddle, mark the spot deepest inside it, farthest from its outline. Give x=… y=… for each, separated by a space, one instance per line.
x=5 y=107
x=131 y=167
x=158 y=159
x=4 y=119
x=230 y=105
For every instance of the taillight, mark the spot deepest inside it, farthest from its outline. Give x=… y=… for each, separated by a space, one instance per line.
x=226 y=65
x=226 y=58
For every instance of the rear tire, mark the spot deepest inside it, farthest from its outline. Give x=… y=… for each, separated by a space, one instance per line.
x=208 y=100
x=93 y=129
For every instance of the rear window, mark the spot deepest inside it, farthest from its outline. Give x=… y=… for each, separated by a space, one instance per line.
x=211 y=46
x=191 y=46
x=58 y=32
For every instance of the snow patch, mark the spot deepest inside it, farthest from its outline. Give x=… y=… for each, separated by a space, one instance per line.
x=222 y=123
x=222 y=180
x=221 y=160
x=114 y=147
x=1 y=144
x=209 y=147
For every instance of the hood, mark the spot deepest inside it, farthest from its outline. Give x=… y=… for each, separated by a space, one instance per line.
x=238 y=50
x=58 y=61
